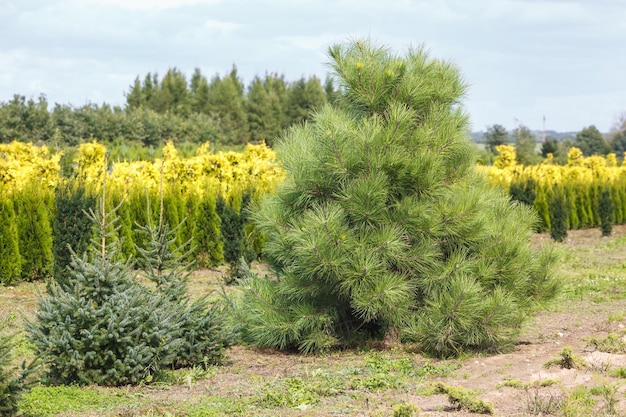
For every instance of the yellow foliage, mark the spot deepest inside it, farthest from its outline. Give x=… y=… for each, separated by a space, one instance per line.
x=22 y=164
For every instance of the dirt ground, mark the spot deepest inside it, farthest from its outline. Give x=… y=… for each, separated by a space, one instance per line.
x=568 y=324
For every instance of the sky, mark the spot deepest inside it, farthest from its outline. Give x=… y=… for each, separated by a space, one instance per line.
x=558 y=64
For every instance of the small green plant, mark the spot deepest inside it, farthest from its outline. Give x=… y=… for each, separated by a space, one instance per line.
x=612 y=343
x=543 y=403
x=463 y=399
x=618 y=372
x=405 y=410
x=579 y=402
x=568 y=360
x=13 y=382
x=609 y=393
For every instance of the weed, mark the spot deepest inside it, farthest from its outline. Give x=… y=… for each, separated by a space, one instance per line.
x=609 y=394
x=579 y=402
x=568 y=360
x=463 y=399
x=405 y=410
x=516 y=383
x=618 y=372
x=617 y=317
x=613 y=343
x=543 y=403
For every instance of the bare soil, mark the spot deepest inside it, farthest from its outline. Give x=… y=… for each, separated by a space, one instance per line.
x=505 y=380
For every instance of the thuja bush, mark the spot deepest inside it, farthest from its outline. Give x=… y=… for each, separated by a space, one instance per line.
x=384 y=227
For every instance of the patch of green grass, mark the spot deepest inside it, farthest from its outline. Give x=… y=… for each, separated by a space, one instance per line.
x=618 y=372
x=51 y=401
x=300 y=393
x=567 y=360
x=405 y=410
x=579 y=402
x=612 y=343
x=464 y=399
x=516 y=383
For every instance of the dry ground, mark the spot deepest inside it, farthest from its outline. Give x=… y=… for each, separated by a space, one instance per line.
x=261 y=382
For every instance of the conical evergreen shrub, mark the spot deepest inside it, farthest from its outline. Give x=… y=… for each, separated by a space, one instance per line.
x=33 y=210
x=559 y=214
x=10 y=259
x=383 y=226
x=606 y=211
x=208 y=246
x=72 y=227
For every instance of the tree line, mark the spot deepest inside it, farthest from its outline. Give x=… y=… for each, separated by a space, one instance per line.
x=196 y=110
x=532 y=150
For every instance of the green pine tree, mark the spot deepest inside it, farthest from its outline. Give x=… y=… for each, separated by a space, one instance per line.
x=10 y=259
x=383 y=226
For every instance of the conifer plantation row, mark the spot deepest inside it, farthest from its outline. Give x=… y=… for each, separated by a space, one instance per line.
x=205 y=197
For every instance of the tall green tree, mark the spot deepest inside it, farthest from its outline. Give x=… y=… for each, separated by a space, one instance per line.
x=383 y=226
x=495 y=135
x=591 y=142
x=618 y=136
x=226 y=103
x=304 y=97
x=199 y=90
x=525 y=145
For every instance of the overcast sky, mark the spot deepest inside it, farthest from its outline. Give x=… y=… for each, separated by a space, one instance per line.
x=524 y=59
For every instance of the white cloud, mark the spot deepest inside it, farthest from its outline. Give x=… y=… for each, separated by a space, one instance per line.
x=223 y=27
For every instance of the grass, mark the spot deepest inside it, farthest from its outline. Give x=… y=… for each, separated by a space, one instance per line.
x=396 y=382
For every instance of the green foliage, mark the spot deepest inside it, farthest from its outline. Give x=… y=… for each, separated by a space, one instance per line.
x=208 y=245
x=525 y=144
x=612 y=343
x=10 y=259
x=606 y=212
x=233 y=221
x=384 y=228
x=202 y=337
x=523 y=191
x=464 y=399
x=405 y=410
x=44 y=401
x=71 y=227
x=13 y=382
x=591 y=142
x=495 y=135
x=101 y=325
x=33 y=209
x=559 y=213
x=567 y=360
